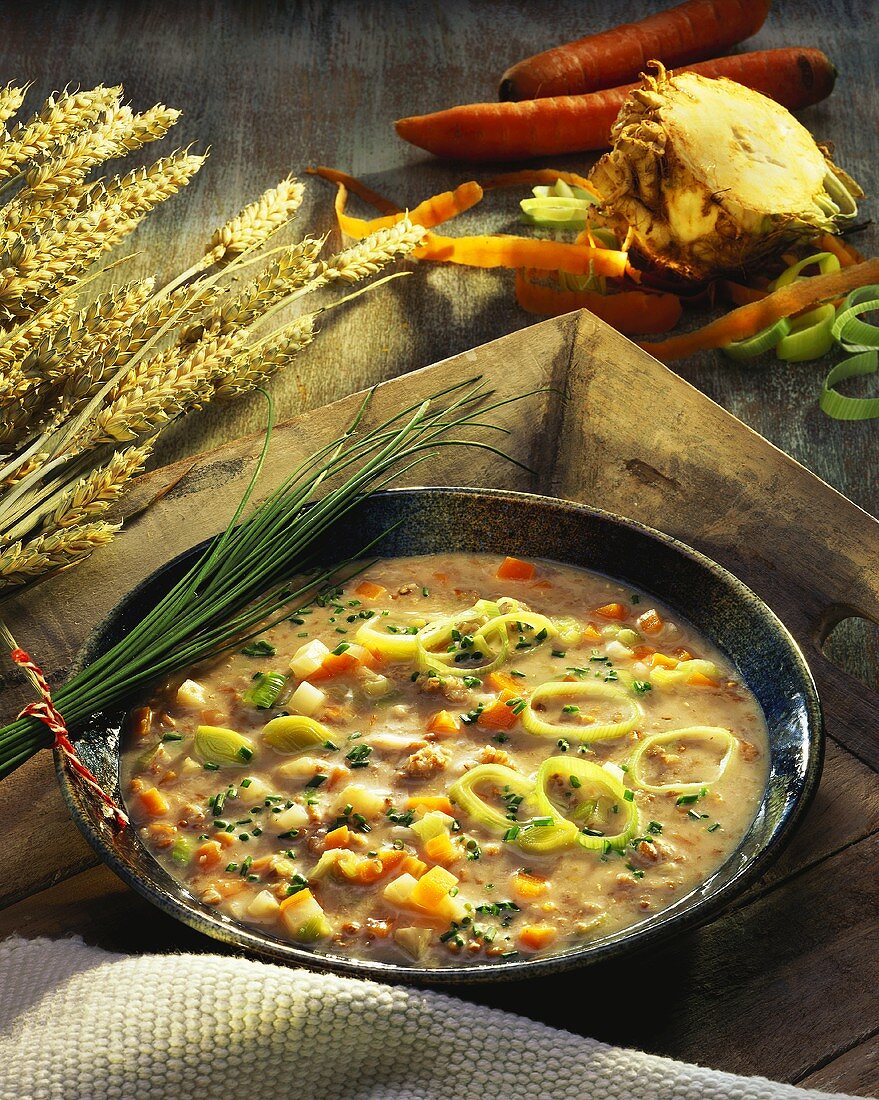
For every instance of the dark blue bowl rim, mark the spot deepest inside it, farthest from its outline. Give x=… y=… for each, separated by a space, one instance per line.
x=684 y=914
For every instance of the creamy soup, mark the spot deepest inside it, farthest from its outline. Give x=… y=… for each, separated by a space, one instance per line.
x=453 y=758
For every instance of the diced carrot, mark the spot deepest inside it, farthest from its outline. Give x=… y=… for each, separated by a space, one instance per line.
x=642 y=651
x=514 y=569
x=529 y=886
x=535 y=936
x=501 y=681
x=369 y=871
x=208 y=854
x=154 y=802
x=140 y=722
x=162 y=834
x=334 y=664
x=425 y=802
x=369 y=590
x=611 y=611
x=229 y=887
x=499 y=716
x=591 y=633
x=444 y=723
x=699 y=679
x=650 y=622
x=262 y=864
x=662 y=660
x=441 y=578
x=440 y=849
x=432 y=888
x=136 y=786
x=392 y=858
x=413 y=866
x=338 y=838
x=297 y=899
x=682 y=654
x=225 y=839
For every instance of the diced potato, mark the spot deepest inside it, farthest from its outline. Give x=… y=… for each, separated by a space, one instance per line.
x=362 y=801
x=256 y=789
x=397 y=742
x=265 y=904
x=432 y=824
x=398 y=891
x=308 y=658
x=191 y=694
x=377 y=686
x=189 y=765
x=307 y=700
x=414 y=941
x=618 y=652
x=301 y=767
x=303 y=917
x=294 y=817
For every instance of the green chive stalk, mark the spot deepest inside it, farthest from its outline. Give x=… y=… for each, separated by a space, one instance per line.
x=239 y=586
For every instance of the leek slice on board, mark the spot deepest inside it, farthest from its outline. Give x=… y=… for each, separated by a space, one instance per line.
x=849 y=330
x=630 y=711
x=755 y=345
x=592 y=782
x=716 y=734
x=837 y=404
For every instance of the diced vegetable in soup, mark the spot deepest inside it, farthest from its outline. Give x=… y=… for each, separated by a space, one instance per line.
x=455 y=758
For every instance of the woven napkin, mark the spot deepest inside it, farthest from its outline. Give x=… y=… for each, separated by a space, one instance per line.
x=78 y=1023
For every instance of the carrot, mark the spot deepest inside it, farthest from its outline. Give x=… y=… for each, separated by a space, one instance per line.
x=511 y=251
x=369 y=590
x=501 y=681
x=372 y=198
x=440 y=849
x=499 y=716
x=427 y=802
x=334 y=664
x=699 y=679
x=842 y=250
x=433 y=888
x=514 y=569
x=208 y=854
x=742 y=295
x=443 y=722
x=739 y=324
x=531 y=177
x=651 y=621
x=795 y=77
x=689 y=32
x=662 y=660
x=413 y=866
x=591 y=634
x=612 y=611
x=632 y=312
x=528 y=886
x=154 y=802
x=337 y=838
x=535 y=936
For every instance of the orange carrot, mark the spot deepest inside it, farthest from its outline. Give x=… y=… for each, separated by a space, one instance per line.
x=531 y=177
x=699 y=679
x=515 y=252
x=612 y=611
x=797 y=297
x=337 y=838
x=842 y=250
x=742 y=295
x=372 y=198
x=430 y=802
x=514 y=569
x=208 y=854
x=591 y=634
x=501 y=681
x=535 y=936
x=499 y=716
x=369 y=590
x=662 y=660
x=689 y=32
x=444 y=723
x=529 y=886
x=632 y=312
x=650 y=622
x=154 y=802
x=794 y=77
x=440 y=849
x=334 y=664
x=413 y=866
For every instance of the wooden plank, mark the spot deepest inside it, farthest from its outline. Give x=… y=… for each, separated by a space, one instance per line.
x=856 y=1071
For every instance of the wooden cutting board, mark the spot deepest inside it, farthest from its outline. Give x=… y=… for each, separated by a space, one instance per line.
x=783 y=984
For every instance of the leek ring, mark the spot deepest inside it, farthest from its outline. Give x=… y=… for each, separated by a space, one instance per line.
x=690 y=733
x=591 y=776
x=597 y=731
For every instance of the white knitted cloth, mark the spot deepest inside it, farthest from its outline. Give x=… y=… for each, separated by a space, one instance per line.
x=77 y=1023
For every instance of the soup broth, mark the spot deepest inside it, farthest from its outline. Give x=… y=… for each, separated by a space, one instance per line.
x=453 y=758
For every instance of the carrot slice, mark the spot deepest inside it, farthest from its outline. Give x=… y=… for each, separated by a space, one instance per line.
x=612 y=611
x=334 y=664
x=632 y=312
x=413 y=866
x=797 y=297
x=514 y=569
x=499 y=716
x=369 y=590
x=154 y=802
x=337 y=838
x=356 y=187
x=514 y=252
x=500 y=681
x=529 y=886
x=535 y=936
x=651 y=621
x=699 y=679
x=439 y=849
x=208 y=854
x=662 y=660
x=443 y=722
x=842 y=250
x=427 y=802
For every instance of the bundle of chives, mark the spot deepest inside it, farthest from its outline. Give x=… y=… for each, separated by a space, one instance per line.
x=237 y=588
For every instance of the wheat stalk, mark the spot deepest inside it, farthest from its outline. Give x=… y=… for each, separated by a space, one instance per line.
x=255 y=223
x=22 y=562
x=92 y=495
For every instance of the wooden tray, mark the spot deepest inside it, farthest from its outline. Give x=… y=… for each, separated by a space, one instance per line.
x=784 y=983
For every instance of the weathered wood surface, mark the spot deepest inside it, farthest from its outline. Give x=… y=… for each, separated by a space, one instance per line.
x=784 y=983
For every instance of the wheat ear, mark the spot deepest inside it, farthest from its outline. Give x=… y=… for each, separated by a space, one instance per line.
x=52 y=551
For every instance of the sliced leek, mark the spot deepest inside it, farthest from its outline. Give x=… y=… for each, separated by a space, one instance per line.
x=853 y=334
x=594 y=782
x=713 y=734
x=760 y=342
x=450 y=644
x=810 y=336
x=396 y=644
x=264 y=690
x=542 y=833
x=292 y=733
x=224 y=747
x=839 y=406
x=629 y=711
